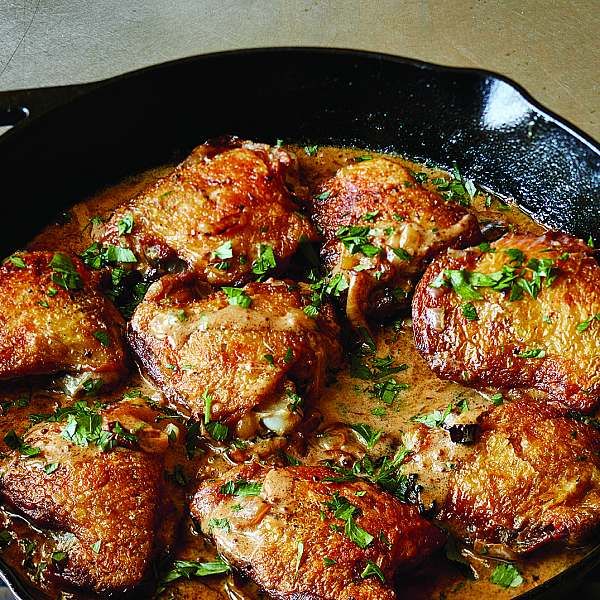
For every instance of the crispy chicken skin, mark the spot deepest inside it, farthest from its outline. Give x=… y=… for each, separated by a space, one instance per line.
x=229 y=191
x=47 y=328
x=284 y=536
x=531 y=478
x=527 y=342
x=112 y=510
x=192 y=342
x=397 y=213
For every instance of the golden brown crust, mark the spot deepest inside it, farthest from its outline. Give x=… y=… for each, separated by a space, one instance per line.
x=533 y=477
x=116 y=504
x=290 y=524
x=382 y=195
x=45 y=328
x=241 y=357
x=486 y=351
x=227 y=191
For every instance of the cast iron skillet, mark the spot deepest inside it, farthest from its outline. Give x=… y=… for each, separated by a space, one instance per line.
x=69 y=141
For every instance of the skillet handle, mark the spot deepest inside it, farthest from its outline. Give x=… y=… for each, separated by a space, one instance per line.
x=17 y=105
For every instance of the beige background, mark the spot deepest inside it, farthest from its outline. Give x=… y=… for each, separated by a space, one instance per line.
x=551 y=48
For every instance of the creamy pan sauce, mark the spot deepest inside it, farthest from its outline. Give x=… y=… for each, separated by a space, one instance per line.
x=347 y=400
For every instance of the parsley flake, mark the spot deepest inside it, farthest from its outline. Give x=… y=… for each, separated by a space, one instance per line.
x=507 y=576
x=237 y=297
x=125 y=224
x=64 y=272
x=102 y=337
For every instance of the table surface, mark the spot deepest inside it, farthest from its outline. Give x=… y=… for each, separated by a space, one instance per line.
x=550 y=47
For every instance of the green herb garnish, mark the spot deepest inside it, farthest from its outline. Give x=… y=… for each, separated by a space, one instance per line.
x=237 y=297
x=507 y=576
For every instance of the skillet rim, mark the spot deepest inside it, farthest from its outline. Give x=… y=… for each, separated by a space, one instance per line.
x=48 y=99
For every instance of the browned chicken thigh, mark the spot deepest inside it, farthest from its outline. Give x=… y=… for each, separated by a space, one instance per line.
x=380 y=227
x=247 y=356
x=226 y=211
x=530 y=476
x=523 y=313
x=96 y=480
x=54 y=319
x=299 y=534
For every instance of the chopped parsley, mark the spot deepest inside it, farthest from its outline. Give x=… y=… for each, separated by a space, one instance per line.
x=387 y=391
x=17 y=261
x=323 y=196
x=402 y=254
x=469 y=311
x=265 y=261
x=288 y=357
x=497 y=399
x=356 y=239
x=58 y=557
x=219 y=524
x=343 y=510
x=49 y=468
x=311 y=150
x=326 y=286
x=581 y=327
x=224 y=251
x=458 y=189
x=532 y=353
x=217 y=431
x=329 y=562
x=237 y=297
x=385 y=472
x=241 y=488
x=13 y=441
x=372 y=570
x=5 y=537
x=96 y=547
x=370 y=216
x=84 y=426
x=512 y=278
x=92 y=386
x=186 y=569
x=97 y=255
x=96 y=220
x=506 y=576
x=434 y=419
x=207 y=398
x=102 y=337
x=64 y=272
x=125 y=225
x=269 y=358
x=366 y=434
x=515 y=255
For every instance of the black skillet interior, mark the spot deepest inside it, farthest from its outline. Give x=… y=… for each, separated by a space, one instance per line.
x=80 y=138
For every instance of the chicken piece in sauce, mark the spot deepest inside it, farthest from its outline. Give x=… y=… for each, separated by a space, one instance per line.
x=228 y=211
x=96 y=480
x=381 y=226
x=529 y=477
x=54 y=320
x=298 y=534
x=252 y=351
x=521 y=313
